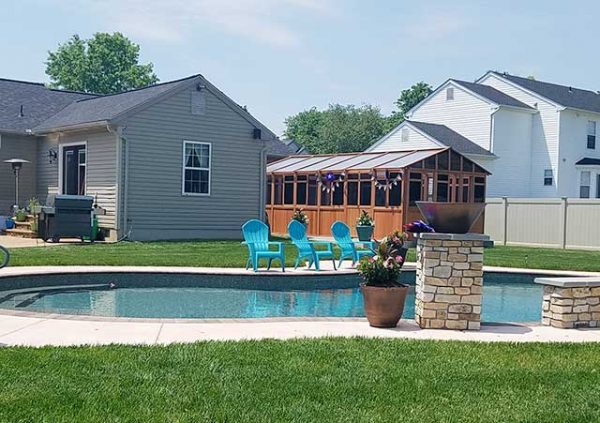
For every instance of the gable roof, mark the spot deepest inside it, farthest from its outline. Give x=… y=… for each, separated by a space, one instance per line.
x=46 y=110
x=277 y=148
x=450 y=138
x=562 y=95
x=492 y=94
x=107 y=107
x=38 y=102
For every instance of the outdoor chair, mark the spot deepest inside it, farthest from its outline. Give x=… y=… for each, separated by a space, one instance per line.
x=350 y=248
x=306 y=248
x=256 y=238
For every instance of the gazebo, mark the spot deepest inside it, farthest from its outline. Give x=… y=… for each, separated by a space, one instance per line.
x=387 y=185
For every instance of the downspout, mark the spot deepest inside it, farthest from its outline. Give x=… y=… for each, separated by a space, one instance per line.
x=123 y=180
x=263 y=172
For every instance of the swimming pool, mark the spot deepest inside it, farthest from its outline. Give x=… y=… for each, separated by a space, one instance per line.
x=506 y=297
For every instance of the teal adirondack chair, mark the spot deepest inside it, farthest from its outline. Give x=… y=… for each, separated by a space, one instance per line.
x=256 y=237
x=306 y=248
x=349 y=248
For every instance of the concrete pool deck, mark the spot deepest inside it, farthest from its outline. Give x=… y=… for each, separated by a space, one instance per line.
x=39 y=329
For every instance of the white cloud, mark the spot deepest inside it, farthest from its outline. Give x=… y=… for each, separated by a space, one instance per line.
x=262 y=21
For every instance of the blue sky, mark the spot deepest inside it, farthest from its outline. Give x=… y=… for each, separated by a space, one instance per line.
x=279 y=57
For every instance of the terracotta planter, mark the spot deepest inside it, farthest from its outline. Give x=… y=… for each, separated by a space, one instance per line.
x=384 y=306
x=365 y=233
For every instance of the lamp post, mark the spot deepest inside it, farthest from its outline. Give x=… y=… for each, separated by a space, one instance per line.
x=16 y=164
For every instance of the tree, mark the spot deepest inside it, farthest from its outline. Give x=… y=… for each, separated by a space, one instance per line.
x=409 y=98
x=338 y=129
x=104 y=64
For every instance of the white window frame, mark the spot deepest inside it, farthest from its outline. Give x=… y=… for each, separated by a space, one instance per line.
x=61 y=164
x=588 y=185
x=546 y=177
x=449 y=93
x=591 y=125
x=184 y=168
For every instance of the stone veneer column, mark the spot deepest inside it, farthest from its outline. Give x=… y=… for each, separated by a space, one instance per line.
x=449 y=281
x=571 y=302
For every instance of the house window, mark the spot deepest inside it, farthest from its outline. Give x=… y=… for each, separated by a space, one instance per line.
x=288 y=190
x=584 y=185
x=591 y=135
x=443 y=195
x=301 y=189
x=312 y=191
x=196 y=168
x=414 y=189
x=365 y=189
x=548 y=177
x=450 y=93
x=479 y=189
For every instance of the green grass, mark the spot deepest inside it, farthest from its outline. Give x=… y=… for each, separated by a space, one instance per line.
x=329 y=380
x=233 y=254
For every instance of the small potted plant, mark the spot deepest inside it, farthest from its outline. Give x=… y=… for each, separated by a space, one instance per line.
x=300 y=216
x=383 y=294
x=364 y=227
x=21 y=215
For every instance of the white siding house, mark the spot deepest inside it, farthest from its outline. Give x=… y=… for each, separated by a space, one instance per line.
x=538 y=139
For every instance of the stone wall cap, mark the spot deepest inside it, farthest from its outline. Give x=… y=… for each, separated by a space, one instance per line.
x=454 y=237
x=570 y=282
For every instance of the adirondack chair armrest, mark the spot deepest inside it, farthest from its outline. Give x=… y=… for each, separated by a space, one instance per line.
x=280 y=245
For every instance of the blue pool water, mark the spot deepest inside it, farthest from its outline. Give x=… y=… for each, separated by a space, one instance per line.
x=506 y=297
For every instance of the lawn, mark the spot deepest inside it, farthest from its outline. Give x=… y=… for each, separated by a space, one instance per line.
x=333 y=380
x=233 y=254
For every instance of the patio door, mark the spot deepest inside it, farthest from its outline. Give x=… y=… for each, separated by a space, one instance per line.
x=74 y=159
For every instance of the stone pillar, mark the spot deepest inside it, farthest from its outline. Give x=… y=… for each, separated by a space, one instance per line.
x=570 y=303
x=449 y=281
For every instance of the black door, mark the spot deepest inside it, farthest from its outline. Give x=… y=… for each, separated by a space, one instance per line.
x=598 y=186
x=74 y=163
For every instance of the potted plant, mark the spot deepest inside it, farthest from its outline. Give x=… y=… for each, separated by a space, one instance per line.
x=364 y=227
x=383 y=294
x=300 y=216
x=21 y=215
x=35 y=207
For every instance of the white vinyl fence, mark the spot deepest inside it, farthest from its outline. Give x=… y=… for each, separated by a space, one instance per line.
x=545 y=222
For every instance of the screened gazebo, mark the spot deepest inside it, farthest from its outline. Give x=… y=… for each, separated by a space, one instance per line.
x=386 y=184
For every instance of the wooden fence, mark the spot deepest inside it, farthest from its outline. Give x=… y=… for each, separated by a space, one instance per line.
x=548 y=222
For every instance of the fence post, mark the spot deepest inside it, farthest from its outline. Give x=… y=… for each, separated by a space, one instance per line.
x=505 y=220
x=563 y=223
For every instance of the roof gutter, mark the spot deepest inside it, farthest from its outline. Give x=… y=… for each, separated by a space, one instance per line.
x=82 y=126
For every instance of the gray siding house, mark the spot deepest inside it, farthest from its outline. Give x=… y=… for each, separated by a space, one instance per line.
x=177 y=160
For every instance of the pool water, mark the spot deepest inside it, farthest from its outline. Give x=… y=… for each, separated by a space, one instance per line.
x=506 y=298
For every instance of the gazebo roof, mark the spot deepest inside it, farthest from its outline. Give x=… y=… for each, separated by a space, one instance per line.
x=351 y=161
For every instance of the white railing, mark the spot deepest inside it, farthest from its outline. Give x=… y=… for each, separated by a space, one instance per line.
x=544 y=222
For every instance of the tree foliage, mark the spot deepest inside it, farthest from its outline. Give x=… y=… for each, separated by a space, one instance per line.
x=412 y=96
x=338 y=129
x=103 y=64
x=341 y=129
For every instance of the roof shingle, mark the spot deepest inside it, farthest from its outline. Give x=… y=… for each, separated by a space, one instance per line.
x=106 y=107
x=560 y=94
x=492 y=94
x=38 y=102
x=450 y=138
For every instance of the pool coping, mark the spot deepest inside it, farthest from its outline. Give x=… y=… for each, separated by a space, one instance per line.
x=35 y=329
x=65 y=270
